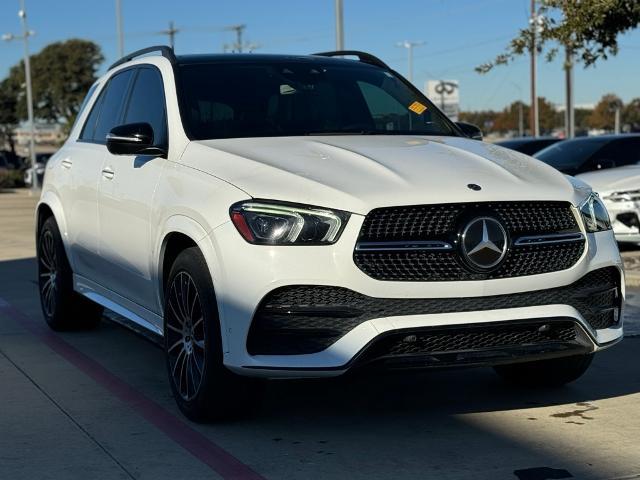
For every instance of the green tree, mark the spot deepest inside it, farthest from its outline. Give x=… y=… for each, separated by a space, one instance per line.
x=8 y=115
x=589 y=28
x=548 y=117
x=581 y=116
x=603 y=115
x=62 y=72
x=508 y=119
x=485 y=119
x=631 y=115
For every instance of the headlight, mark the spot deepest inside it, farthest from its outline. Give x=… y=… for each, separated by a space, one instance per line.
x=268 y=223
x=594 y=214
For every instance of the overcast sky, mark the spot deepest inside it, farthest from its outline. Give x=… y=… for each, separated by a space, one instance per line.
x=459 y=35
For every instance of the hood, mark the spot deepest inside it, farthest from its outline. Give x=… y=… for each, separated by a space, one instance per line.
x=613 y=179
x=358 y=173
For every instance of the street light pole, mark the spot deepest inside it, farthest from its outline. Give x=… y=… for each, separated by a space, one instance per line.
x=339 y=26
x=409 y=46
x=26 y=33
x=119 y=31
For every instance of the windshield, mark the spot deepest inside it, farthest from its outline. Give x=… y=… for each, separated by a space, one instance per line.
x=231 y=100
x=569 y=156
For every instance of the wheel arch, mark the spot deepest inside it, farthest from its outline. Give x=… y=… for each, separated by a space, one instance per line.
x=182 y=232
x=50 y=206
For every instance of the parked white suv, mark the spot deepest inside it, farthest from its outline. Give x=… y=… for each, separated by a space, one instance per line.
x=301 y=216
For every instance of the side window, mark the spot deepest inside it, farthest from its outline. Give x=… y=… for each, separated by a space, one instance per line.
x=90 y=124
x=84 y=104
x=627 y=151
x=111 y=105
x=618 y=153
x=147 y=104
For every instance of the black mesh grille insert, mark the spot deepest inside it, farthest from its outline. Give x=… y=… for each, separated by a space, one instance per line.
x=476 y=344
x=443 y=222
x=475 y=338
x=309 y=318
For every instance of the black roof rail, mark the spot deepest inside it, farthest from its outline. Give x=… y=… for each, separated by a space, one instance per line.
x=362 y=56
x=165 y=51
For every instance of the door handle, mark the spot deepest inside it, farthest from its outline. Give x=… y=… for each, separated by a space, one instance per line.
x=66 y=163
x=108 y=173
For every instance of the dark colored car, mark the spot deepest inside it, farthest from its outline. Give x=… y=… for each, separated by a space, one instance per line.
x=528 y=145
x=586 y=154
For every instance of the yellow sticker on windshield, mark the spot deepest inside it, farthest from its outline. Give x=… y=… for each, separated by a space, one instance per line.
x=417 y=107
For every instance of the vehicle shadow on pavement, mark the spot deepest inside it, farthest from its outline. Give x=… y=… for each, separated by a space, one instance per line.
x=613 y=373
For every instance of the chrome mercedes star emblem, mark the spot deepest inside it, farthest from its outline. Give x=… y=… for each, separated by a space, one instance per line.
x=484 y=243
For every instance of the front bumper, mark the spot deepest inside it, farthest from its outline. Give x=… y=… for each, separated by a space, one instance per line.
x=245 y=274
x=625 y=220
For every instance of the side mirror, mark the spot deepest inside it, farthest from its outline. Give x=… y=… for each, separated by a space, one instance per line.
x=132 y=139
x=470 y=130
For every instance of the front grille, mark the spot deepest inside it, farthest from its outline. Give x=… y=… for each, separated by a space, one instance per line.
x=443 y=222
x=309 y=318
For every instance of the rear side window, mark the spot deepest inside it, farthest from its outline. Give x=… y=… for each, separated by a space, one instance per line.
x=107 y=110
x=90 y=124
x=84 y=103
x=147 y=104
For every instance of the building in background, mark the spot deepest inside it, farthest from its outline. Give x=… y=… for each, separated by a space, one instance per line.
x=45 y=135
x=446 y=95
x=48 y=138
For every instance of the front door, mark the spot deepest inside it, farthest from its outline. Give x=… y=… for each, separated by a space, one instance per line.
x=80 y=170
x=125 y=205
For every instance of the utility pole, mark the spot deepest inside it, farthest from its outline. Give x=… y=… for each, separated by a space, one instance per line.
x=119 y=31
x=616 y=128
x=569 y=116
x=26 y=33
x=339 y=26
x=409 y=46
x=535 y=126
x=238 y=45
x=171 y=32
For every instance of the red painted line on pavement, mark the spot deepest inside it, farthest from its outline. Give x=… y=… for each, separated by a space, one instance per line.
x=208 y=452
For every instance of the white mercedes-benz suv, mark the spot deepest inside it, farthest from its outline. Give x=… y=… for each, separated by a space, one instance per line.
x=278 y=216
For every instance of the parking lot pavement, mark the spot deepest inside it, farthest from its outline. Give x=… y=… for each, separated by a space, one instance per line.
x=96 y=404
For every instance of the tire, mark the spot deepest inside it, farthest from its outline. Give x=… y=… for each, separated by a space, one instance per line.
x=546 y=373
x=204 y=389
x=62 y=307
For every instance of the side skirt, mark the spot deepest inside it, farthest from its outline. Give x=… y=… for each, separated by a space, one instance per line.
x=134 y=313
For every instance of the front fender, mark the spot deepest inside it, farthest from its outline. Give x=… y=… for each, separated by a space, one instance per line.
x=198 y=233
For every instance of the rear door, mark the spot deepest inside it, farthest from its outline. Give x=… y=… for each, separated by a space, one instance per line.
x=125 y=207
x=79 y=175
